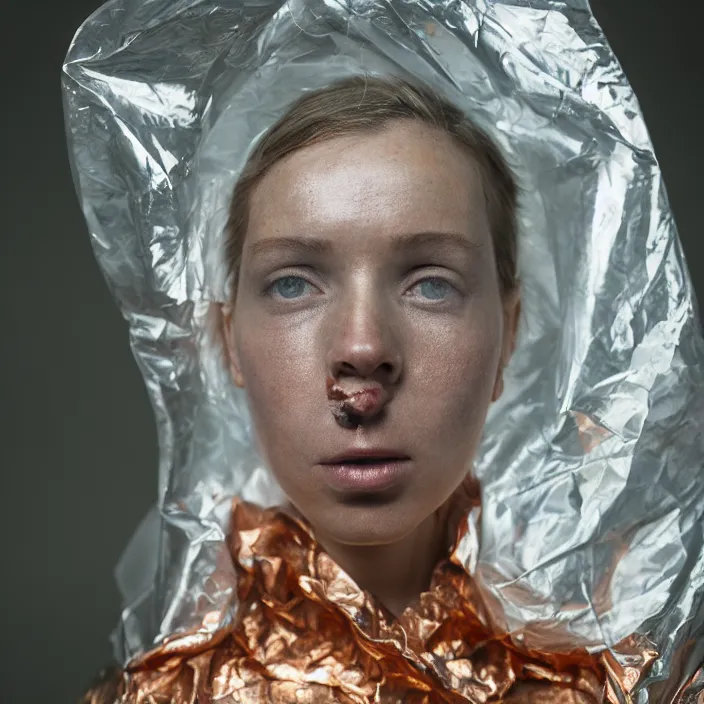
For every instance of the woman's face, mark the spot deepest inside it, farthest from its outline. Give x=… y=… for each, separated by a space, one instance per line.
x=368 y=267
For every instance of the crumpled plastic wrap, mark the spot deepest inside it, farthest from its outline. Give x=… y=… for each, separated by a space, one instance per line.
x=592 y=465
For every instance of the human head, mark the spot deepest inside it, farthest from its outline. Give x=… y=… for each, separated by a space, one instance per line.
x=362 y=193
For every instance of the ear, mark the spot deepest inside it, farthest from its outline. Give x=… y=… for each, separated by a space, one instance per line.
x=228 y=338
x=511 y=315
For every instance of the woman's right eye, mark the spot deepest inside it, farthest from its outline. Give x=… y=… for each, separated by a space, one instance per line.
x=290 y=287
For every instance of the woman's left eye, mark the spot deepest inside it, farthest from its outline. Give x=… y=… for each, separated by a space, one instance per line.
x=290 y=287
x=434 y=288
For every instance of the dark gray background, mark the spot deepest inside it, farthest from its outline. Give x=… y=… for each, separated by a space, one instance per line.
x=78 y=454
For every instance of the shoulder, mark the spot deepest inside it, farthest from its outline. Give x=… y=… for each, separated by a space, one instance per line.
x=105 y=688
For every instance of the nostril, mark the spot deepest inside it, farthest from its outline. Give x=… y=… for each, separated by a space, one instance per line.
x=347 y=369
x=366 y=362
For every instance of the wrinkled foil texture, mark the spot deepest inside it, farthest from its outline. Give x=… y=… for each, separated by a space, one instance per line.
x=307 y=633
x=592 y=462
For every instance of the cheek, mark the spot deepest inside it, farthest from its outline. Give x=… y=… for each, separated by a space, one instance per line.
x=280 y=366
x=455 y=368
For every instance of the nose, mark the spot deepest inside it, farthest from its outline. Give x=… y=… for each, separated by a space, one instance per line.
x=365 y=344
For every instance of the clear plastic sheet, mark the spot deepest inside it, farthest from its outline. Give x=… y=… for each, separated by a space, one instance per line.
x=593 y=490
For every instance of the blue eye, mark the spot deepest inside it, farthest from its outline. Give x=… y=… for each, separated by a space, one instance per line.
x=289 y=287
x=434 y=288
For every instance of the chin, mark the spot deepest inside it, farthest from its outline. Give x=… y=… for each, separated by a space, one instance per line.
x=366 y=521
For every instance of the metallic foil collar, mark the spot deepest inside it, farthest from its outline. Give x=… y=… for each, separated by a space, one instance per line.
x=305 y=632
x=591 y=468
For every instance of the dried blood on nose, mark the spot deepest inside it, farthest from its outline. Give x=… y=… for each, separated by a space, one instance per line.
x=352 y=403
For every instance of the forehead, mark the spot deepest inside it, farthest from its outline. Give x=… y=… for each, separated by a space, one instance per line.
x=407 y=177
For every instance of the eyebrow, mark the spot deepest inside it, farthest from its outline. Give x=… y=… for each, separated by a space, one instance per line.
x=290 y=244
x=426 y=240
x=409 y=241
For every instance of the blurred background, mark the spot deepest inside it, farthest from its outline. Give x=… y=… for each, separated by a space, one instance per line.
x=78 y=454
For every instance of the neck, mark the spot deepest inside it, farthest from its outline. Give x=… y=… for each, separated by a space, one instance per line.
x=395 y=574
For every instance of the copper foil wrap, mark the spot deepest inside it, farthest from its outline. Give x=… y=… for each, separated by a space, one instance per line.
x=305 y=632
x=592 y=464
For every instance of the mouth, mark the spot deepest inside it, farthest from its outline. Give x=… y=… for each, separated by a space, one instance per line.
x=370 y=471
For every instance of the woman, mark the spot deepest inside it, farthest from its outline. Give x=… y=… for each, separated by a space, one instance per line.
x=372 y=246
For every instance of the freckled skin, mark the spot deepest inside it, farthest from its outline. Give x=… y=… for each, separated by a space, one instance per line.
x=365 y=318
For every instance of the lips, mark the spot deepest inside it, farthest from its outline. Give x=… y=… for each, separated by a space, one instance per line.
x=366 y=471
x=367 y=457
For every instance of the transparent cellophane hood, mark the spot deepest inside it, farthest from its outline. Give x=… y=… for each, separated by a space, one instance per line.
x=593 y=491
